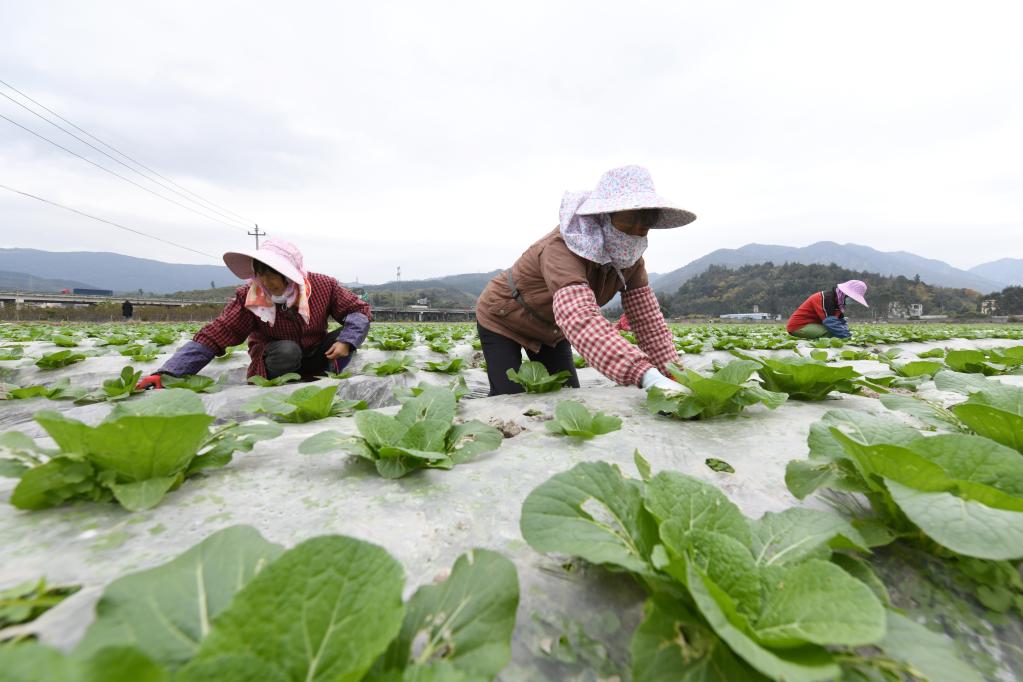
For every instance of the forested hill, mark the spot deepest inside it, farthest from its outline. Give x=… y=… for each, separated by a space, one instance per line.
x=779 y=289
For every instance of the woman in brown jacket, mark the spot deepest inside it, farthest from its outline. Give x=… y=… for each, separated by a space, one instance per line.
x=549 y=301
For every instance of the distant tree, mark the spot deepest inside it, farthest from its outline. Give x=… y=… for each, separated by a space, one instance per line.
x=1011 y=301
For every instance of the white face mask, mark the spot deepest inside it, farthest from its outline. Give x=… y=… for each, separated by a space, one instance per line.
x=283 y=298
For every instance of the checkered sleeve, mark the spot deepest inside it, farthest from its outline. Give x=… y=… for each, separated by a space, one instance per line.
x=232 y=326
x=577 y=313
x=652 y=334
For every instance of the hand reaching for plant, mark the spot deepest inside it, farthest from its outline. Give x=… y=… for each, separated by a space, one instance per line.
x=340 y=349
x=151 y=381
x=653 y=377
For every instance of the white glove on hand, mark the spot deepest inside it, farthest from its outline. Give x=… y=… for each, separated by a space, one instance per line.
x=652 y=377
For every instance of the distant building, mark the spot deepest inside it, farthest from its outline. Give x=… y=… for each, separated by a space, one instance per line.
x=989 y=306
x=746 y=316
x=900 y=311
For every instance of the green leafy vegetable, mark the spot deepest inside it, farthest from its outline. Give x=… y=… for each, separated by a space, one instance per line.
x=535 y=378
x=395 y=365
x=29 y=600
x=166 y=611
x=61 y=358
x=728 y=595
x=196 y=383
x=802 y=378
x=572 y=419
x=304 y=405
x=727 y=391
x=451 y=367
x=142 y=450
x=965 y=492
x=421 y=435
x=719 y=465
x=263 y=382
x=463 y=625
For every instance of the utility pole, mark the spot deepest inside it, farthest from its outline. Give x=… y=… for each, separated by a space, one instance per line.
x=397 y=290
x=257 y=234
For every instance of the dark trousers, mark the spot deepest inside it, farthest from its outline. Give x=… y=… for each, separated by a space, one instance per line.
x=282 y=357
x=502 y=354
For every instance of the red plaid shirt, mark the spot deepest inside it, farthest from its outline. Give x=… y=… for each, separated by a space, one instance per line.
x=577 y=313
x=236 y=322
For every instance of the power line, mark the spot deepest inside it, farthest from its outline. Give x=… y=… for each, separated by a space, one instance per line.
x=108 y=222
x=120 y=153
x=116 y=174
x=114 y=158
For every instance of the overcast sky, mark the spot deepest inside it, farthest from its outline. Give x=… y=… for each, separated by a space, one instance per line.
x=441 y=136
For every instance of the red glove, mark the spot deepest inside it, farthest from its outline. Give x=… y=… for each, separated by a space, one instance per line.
x=151 y=381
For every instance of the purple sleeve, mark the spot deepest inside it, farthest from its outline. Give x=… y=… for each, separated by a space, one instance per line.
x=189 y=359
x=355 y=329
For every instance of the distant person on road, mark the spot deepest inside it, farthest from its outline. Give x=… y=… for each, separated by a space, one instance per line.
x=823 y=313
x=549 y=301
x=127 y=309
x=282 y=310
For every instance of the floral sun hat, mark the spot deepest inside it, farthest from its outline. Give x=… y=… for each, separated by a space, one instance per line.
x=586 y=224
x=629 y=188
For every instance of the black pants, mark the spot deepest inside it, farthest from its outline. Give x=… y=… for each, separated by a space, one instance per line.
x=502 y=354
x=281 y=357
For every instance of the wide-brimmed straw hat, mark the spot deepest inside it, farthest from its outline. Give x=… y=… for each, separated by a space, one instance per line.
x=630 y=188
x=854 y=289
x=282 y=256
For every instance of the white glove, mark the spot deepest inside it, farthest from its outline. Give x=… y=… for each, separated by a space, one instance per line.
x=654 y=378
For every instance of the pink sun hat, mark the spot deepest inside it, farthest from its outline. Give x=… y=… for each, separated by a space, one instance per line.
x=854 y=289
x=630 y=188
x=282 y=256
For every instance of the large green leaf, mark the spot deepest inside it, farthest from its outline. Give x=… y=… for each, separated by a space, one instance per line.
x=535 y=378
x=465 y=441
x=467 y=620
x=990 y=422
x=672 y=645
x=166 y=611
x=55 y=482
x=143 y=447
x=929 y=654
x=867 y=429
x=593 y=512
x=379 y=429
x=433 y=403
x=796 y=534
x=30 y=661
x=324 y=610
x=964 y=526
x=695 y=504
x=816 y=601
x=721 y=558
x=805 y=664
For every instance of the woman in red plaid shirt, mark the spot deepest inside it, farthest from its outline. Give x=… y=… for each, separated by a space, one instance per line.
x=282 y=310
x=549 y=301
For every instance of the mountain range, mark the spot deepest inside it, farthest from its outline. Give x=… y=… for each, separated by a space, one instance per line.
x=103 y=270
x=984 y=278
x=36 y=270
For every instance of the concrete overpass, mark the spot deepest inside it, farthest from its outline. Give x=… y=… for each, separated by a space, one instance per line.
x=35 y=297
x=383 y=314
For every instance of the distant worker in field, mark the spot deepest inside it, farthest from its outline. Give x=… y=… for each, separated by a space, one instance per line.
x=127 y=310
x=823 y=313
x=282 y=310
x=549 y=301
